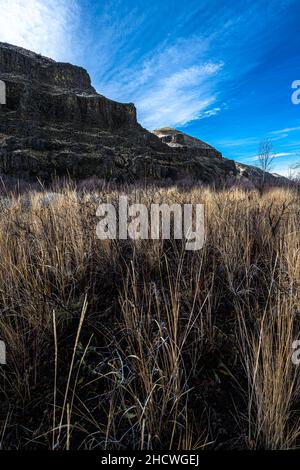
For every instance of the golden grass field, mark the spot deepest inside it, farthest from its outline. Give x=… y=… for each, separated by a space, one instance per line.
x=143 y=345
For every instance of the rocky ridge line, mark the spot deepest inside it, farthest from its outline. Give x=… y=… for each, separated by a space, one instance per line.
x=54 y=123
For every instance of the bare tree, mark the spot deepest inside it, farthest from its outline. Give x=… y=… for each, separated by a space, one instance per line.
x=295 y=169
x=291 y=173
x=265 y=157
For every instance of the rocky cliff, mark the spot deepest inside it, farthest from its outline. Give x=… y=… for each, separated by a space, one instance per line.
x=54 y=123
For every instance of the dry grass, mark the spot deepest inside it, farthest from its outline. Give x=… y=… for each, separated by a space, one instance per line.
x=122 y=344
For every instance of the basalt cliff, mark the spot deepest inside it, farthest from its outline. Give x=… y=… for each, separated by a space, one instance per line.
x=54 y=123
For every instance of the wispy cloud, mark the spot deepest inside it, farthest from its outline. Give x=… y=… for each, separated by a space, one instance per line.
x=180 y=97
x=252 y=141
x=173 y=59
x=285 y=131
x=44 y=26
x=175 y=67
x=275 y=155
x=238 y=142
x=282 y=154
x=169 y=87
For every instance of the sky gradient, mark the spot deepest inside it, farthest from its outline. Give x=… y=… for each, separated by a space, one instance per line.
x=219 y=70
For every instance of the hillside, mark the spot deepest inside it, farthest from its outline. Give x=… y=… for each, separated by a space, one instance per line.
x=54 y=123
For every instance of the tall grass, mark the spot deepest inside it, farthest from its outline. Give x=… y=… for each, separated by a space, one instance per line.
x=123 y=344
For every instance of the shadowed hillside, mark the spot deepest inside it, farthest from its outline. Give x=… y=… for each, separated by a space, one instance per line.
x=55 y=124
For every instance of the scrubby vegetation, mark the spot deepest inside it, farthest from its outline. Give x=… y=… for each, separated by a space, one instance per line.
x=122 y=344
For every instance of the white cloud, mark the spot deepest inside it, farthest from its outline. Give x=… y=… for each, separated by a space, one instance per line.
x=238 y=142
x=169 y=87
x=43 y=26
x=287 y=130
x=282 y=154
x=276 y=155
x=179 y=98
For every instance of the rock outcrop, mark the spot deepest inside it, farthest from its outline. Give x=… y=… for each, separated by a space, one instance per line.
x=177 y=139
x=246 y=175
x=54 y=123
x=253 y=174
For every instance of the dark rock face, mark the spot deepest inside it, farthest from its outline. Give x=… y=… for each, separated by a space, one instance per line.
x=30 y=66
x=54 y=123
x=41 y=91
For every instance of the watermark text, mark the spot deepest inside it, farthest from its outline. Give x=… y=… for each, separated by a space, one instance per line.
x=160 y=221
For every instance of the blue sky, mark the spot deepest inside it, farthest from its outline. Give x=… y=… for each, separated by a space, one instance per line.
x=219 y=70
